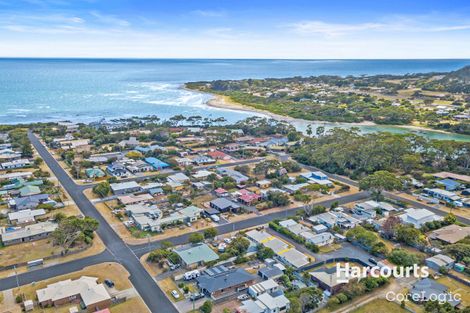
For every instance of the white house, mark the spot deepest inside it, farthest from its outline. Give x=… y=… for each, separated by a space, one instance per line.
x=417 y=217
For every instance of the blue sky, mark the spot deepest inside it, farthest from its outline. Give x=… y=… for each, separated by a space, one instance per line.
x=235 y=29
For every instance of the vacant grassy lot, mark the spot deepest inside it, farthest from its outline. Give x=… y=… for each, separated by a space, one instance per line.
x=380 y=305
x=457 y=288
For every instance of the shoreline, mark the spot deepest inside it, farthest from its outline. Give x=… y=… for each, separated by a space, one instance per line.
x=224 y=102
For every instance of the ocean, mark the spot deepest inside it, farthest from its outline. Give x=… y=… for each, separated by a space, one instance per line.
x=85 y=90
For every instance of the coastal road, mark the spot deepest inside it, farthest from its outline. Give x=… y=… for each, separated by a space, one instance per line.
x=152 y=295
x=416 y=204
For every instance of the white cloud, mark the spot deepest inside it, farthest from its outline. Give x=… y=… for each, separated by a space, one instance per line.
x=209 y=13
x=332 y=29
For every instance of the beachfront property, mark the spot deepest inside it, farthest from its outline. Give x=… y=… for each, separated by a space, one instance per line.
x=84 y=290
x=418 y=217
x=196 y=255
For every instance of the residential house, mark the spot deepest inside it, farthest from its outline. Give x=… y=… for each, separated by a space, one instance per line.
x=178 y=178
x=117 y=169
x=138 y=166
x=442 y=194
x=28 y=233
x=204 y=159
x=270 y=272
x=94 y=173
x=219 y=282
x=366 y=210
x=449 y=184
x=30 y=202
x=84 y=290
x=427 y=289
x=224 y=205
x=133 y=199
x=183 y=161
x=156 y=163
x=439 y=261
x=332 y=218
x=20 y=163
x=231 y=147
x=263 y=184
x=202 y=174
x=317 y=178
x=238 y=177
x=319 y=240
x=132 y=142
x=418 y=217
x=196 y=255
x=125 y=188
x=29 y=190
x=219 y=155
x=266 y=303
x=450 y=234
x=25 y=217
x=269 y=286
x=328 y=279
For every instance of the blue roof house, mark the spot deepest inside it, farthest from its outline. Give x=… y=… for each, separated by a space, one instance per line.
x=449 y=184
x=156 y=163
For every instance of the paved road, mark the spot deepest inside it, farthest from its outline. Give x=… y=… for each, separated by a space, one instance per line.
x=255 y=221
x=391 y=195
x=41 y=273
x=152 y=295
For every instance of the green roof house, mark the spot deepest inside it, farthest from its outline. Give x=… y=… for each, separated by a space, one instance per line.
x=29 y=191
x=94 y=173
x=196 y=255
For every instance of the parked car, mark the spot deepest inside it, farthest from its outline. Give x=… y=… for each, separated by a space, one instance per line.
x=373 y=261
x=175 y=294
x=109 y=283
x=243 y=297
x=196 y=296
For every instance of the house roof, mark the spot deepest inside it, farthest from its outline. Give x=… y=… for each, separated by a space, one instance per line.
x=90 y=292
x=28 y=231
x=270 y=271
x=223 y=278
x=196 y=254
x=29 y=190
x=464 y=178
x=451 y=233
x=25 y=214
x=223 y=203
x=125 y=185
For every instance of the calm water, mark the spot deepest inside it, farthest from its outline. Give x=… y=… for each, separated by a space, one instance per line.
x=85 y=90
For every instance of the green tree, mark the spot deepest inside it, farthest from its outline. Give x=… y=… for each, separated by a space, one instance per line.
x=380 y=181
x=196 y=238
x=206 y=307
x=102 y=189
x=210 y=233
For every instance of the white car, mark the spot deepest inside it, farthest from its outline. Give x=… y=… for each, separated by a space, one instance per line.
x=243 y=297
x=175 y=294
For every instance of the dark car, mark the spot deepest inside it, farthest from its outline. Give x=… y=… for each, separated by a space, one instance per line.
x=196 y=296
x=373 y=261
x=109 y=283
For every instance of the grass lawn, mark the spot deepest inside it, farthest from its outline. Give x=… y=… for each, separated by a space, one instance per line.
x=330 y=248
x=168 y=285
x=380 y=305
x=134 y=305
x=457 y=288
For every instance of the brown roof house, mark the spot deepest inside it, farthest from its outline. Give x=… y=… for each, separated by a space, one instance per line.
x=84 y=291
